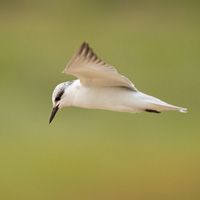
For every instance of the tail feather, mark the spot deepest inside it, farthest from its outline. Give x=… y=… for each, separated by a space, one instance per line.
x=161 y=105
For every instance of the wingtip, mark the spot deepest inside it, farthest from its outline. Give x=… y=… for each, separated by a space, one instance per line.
x=84 y=43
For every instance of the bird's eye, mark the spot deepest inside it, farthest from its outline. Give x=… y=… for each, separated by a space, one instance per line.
x=57 y=99
x=59 y=95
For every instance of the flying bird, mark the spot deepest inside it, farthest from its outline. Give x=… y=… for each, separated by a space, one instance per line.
x=100 y=86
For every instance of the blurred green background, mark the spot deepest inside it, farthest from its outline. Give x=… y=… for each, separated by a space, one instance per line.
x=95 y=154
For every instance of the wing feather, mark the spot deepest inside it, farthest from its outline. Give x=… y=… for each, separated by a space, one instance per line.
x=92 y=71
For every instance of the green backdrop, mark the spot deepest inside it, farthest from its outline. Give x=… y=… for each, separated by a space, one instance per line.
x=95 y=154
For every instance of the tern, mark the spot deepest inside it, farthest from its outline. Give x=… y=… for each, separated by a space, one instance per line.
x=100 y=86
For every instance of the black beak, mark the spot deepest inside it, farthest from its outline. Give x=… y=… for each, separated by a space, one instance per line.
x=53 y=113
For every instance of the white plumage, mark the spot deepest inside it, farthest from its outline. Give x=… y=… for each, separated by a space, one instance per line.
x=99 y=86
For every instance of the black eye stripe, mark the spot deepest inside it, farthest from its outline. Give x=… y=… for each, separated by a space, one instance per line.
x=61 y=90
x=59 y=95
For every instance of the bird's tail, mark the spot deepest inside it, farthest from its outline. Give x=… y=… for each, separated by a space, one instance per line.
x=158 y=105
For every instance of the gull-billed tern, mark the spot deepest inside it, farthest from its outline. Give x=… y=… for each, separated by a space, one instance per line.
x=99 y=86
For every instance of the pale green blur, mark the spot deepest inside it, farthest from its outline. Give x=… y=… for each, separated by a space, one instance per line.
x=94 y=154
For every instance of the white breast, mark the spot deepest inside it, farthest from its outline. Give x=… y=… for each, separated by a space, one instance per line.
x=108 y=98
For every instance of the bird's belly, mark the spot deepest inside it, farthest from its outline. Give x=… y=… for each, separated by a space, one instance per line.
x=108 y=98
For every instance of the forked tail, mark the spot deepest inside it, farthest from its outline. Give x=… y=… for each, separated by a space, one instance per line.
x=158 y=105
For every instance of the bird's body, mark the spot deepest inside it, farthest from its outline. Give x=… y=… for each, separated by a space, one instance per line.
x=100 y=87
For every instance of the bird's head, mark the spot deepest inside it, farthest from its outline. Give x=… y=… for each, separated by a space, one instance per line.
x=58 y=99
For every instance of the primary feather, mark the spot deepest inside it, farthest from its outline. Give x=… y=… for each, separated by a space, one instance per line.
x=91 y=70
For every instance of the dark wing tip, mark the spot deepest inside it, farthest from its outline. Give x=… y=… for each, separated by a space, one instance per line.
x=82 y=47
x=86 y=52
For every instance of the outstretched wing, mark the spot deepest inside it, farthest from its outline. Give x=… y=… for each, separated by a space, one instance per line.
x=92 y=71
